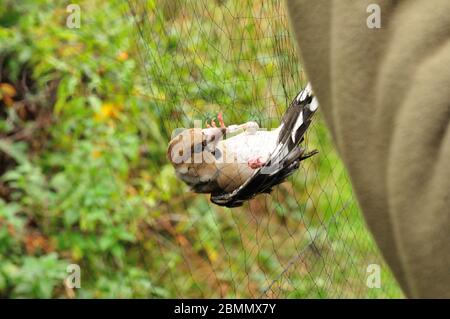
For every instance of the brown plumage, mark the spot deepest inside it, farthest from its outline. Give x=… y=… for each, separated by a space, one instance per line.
x=203 y=161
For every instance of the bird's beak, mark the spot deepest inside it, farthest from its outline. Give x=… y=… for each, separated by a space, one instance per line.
x=214 y=135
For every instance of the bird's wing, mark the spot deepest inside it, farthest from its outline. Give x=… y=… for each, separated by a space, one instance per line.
x=284 y=159
x=235 y=154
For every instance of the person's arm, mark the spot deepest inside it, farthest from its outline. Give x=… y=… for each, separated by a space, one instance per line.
x=385 y=95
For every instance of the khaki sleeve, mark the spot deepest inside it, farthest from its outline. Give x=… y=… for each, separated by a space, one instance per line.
x=385 y=95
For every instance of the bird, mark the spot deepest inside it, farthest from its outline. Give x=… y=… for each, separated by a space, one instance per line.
x=237 y=162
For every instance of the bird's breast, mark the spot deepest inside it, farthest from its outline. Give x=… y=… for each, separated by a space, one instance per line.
x=242 y=147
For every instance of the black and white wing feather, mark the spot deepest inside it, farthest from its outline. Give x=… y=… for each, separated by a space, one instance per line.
x=286 y=157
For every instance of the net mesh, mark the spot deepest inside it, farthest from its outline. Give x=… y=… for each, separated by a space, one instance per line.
x=307 y=238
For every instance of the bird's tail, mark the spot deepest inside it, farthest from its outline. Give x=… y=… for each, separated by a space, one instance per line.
x=297 y=118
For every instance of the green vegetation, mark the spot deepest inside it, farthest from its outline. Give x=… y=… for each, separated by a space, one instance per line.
x=85 y=117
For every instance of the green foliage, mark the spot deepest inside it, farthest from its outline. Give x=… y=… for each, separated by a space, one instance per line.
x=90 y=184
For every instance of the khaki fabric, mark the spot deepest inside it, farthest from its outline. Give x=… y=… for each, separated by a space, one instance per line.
x=385 y=95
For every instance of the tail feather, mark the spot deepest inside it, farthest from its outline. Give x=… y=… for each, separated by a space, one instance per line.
x=297 y=118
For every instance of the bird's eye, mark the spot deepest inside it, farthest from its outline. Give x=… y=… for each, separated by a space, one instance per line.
x=180 y=152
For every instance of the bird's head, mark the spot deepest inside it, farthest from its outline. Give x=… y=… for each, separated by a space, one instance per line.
x=193 y=154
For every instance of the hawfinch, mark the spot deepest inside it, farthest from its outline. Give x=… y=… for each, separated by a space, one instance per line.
x=237 y=162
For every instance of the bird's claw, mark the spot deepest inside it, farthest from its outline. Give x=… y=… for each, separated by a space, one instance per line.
x=220 y=119
x=213 y=122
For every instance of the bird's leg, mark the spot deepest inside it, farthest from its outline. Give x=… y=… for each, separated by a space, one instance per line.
x=250 y=127
x=213 y=122
x=220 y=118
x=256 y=162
